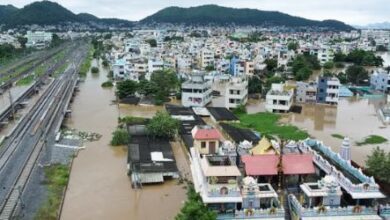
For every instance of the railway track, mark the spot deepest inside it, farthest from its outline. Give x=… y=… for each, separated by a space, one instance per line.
x=21 y=151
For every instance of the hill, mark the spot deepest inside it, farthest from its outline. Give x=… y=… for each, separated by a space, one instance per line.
x=50 y=13
x=206 y=14
x=5 y=11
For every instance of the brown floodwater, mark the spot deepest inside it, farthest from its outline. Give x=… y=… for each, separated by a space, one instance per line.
x=354 y=117
x=99 y=187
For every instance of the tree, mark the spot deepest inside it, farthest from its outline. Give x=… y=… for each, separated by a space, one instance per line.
x=272 y=80
x=165 y=81
x=378 y=164
x=119 y=137
x=303 y=74
x=254 y=85
x=152 y=42
x=162 y=125
x=126 y=88
x=328 y=65
x=272 y=64
x=381 y=48
x=55 y=41
x=194 y=208
x=209 y=68
x=293 y=46
x=146 y=87
x=342 y=77
x=22 y=41
x=356 y=74
x=94 y=69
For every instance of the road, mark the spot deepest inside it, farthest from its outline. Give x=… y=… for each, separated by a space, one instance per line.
x=20 y=151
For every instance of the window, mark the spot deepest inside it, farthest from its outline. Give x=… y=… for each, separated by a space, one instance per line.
x=203 y=144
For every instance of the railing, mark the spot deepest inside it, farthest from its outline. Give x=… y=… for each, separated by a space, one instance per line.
x=223 y=190
x=368 y=183
x=328 y=211
x=261 y=213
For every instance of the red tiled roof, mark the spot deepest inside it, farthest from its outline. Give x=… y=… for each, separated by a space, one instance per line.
x=266 y=165
x=206 y=134
x=261 y=165
x=298 y=164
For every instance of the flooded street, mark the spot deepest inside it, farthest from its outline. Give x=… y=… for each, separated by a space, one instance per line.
x=99 y=187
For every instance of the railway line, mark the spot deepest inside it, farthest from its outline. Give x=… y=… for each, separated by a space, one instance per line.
x=21 y=150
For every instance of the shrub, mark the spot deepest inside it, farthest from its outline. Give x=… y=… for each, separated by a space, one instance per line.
x=120 y=137
x=95 y=69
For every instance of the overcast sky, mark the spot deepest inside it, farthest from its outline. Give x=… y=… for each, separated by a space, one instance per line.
x=357 y=12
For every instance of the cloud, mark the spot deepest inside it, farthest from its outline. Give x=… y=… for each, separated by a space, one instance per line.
x=349 y=11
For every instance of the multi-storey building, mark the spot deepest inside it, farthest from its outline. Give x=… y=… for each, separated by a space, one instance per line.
x=380 y=80
x=279 y=98
x=328 y=90
x=236 y=92
x=196 y=92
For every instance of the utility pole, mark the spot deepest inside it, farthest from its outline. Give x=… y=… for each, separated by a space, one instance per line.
x=11 y=102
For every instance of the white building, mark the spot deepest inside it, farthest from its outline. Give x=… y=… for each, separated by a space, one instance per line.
x=325 y=55
x=236 y=92
x=196 y=92
x=118 y=69
x=38 y=39
x=380 y=80
x=206 y=58
x=279 y=99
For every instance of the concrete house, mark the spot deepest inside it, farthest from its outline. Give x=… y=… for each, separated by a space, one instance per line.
x=206 y=139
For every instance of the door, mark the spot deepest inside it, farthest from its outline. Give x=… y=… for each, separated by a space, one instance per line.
x=212 y=147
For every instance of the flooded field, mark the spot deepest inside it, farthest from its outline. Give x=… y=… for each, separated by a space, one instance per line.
x=99 y=187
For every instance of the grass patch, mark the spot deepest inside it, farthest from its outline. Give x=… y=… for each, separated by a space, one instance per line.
x=372 y=139
x=86 y=65
x=268 y=124
x=56 y=178
x=338 y=136
x=26 y=80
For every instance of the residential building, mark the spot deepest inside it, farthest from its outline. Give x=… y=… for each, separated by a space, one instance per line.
x=306 y=92
x=206 y=139
x=279 y=98
x=328 y=90
x=196 y=92
x=118 y=69
x=380 y=80
x=236 y=92
x=206 y=58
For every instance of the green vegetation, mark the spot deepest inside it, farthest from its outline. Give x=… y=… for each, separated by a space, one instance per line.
x=339 y=65
x=372 y=139
x=378 y=164
x=107 y=84
x=194 y=208
x=26 y=80
x=356 y=74
x=217 y=15
x=241 y=109
x=162 y=125
x=173 y=38
x=251 y=38
x=272 y=64
x=86 y=65
x=328 y=65
x=105 y=63
x=360 y=57
x=126 y=88
x=151 y=42
x=382 y=48
x=267 y=124
x=119 y=137
x=209 y=68
x=163 y=83
x=254 y=85
x=61 y=69
x=131 y=120
x=338 y=136
x=293 y=46
x=94 y=70
x=56 y=179
x=303 y=66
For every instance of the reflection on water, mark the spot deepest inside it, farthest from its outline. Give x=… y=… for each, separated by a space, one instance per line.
x=99 y=187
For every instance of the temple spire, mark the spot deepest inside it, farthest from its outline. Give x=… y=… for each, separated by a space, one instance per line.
x=345 y=150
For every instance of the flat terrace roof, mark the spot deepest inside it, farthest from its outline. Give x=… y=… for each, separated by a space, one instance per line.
x=222 y=114
x=140 y=154
x=240 y=134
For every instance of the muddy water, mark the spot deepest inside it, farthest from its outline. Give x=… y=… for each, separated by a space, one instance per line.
x=354 y=117
x=99 y=187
